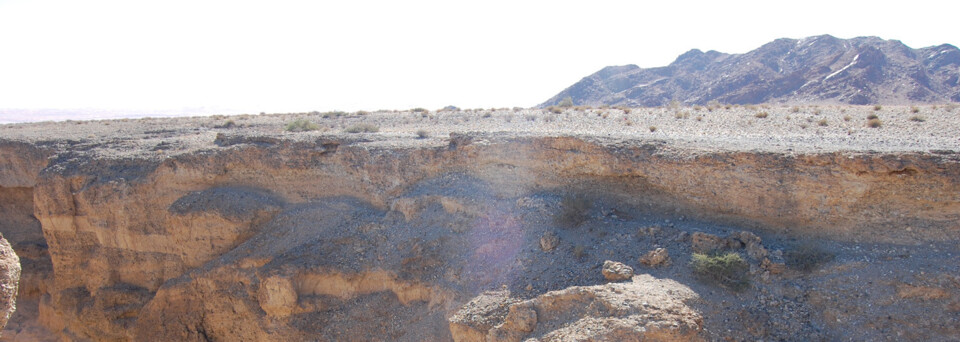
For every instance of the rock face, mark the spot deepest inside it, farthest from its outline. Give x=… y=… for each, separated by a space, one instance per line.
x=646 y=308
x=863 y=70
x=268 y=236
x=9 y=281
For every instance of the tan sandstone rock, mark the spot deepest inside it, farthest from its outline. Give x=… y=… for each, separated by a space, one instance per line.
x=9 y=280
x=656 y=257
x=549 y=241
x=616 y=271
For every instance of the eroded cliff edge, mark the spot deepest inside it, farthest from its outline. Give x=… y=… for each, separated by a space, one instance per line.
x=248 y=236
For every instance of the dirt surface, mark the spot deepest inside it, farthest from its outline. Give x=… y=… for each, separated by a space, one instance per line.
x=784 y=129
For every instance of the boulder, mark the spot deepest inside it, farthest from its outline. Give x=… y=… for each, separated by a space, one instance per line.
x=549 y=241
x=656 y=257
x=616 y=271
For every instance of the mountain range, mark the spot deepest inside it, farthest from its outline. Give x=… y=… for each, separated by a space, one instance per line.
x=820 y=69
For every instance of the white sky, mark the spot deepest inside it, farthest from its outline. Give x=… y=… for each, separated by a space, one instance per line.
x=279 y=56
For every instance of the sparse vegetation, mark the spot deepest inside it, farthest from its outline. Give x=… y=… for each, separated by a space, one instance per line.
x=336 y=113
x=227 y=124
x=422 y=134
x=823 y=123
x=877 y=108
x=874 y=123
x=301 y=125
x=420 y=110
x=914 y=109
x=806 y=257
x=727 y=270
x=846 y=118
x=761 y=115
x=872 y=116
x=554 y=109
x=653 y=129
x=574 y=211
x=918 y=118
x=363 y=128
x=579 y=252
x=566 y=102
x=795 y=109
x=626 y=110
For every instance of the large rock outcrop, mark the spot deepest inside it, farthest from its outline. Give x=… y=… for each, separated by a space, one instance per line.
x=644 y=309
x=9 y=281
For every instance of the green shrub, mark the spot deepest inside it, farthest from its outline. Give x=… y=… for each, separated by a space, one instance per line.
x=574 y=211
x=363 y=128
x=301 y=125
x=727 y=270
x=566 y=102
x=330 y=114
x=806 y=257
x=227 y=124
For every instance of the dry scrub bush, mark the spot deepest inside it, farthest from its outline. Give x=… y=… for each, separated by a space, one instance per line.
x=574 y=211
x=727 y=270
x=362 y=128
x=806 y=257
x=301 y=125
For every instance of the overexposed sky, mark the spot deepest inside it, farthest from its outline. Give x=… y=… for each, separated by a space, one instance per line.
x=279 y=56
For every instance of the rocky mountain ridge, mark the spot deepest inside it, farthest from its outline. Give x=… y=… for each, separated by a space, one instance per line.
x=820 y=69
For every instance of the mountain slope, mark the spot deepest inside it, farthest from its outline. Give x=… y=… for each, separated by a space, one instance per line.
x=862 y=70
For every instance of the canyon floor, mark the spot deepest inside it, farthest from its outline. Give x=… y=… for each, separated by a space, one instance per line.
x=492 y=224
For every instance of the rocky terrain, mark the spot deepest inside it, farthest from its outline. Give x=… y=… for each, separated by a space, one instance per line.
x=670 y=223
x=822 y=69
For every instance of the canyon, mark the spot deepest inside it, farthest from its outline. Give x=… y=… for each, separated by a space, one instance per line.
x=234 y=229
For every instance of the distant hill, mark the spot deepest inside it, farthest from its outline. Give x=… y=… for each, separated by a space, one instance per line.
x=823 y=69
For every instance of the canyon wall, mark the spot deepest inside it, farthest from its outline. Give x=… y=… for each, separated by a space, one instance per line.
x=264 y=238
